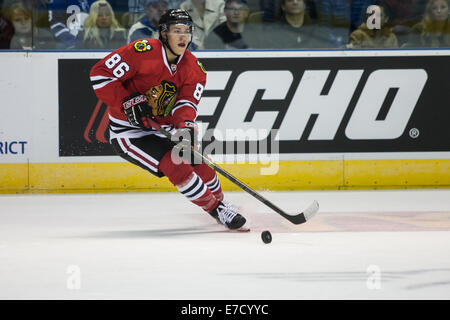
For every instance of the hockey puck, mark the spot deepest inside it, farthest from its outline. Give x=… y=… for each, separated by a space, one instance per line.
x=266 y=236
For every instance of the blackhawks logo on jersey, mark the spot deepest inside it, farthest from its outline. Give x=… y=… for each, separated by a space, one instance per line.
x=142 y=46
x=162 y=98
x=201 y=66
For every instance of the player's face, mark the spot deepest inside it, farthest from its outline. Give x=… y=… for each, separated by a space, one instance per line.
x=440 y=10
x=179 y=36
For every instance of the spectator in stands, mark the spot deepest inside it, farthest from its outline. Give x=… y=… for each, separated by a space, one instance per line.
x=147 y=27
x=39 y=17
x=434 y=29
x=101 y=29
x=26 y=35
x=206 y=15
x=229 y=34
x=294 y=29
x=23 y=28
x=6 y=32
x=376 y=38
x=39 y=8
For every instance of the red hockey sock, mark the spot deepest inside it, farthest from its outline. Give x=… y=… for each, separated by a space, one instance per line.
x=188 y=183
x=211 y=180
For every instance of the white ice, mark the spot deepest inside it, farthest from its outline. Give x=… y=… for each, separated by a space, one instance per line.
x=361 y=245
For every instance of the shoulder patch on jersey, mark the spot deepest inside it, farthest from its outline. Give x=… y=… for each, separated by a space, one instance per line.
x=201 y=66
x=142 y=46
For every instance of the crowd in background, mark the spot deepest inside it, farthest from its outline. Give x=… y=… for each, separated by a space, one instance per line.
x=227 y=24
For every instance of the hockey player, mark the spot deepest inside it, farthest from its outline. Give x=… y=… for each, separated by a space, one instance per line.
x=161 y=79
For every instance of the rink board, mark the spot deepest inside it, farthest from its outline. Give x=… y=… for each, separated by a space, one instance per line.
x=387 y=127
x=291 y=175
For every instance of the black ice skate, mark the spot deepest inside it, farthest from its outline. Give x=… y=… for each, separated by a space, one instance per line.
x=227 y=215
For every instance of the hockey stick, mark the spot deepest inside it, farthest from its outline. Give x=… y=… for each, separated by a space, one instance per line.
x=299 y=218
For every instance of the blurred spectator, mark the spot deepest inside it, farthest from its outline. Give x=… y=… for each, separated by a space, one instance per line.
x=39 y=8
x=23 y=28
x=206 y=15
x=434 y=29
x=229 y=34
x=6 y=32
x=26 y=35
x=101 y=29
x=67 y=19
x=147 y=27
x=294 y=29
x=376 y=38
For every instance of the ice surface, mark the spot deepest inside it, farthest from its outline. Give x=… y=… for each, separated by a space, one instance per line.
x=361 y=245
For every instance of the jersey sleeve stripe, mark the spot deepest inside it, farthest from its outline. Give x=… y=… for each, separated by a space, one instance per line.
x=183 y=103
x=98 y=84
x=95 y=78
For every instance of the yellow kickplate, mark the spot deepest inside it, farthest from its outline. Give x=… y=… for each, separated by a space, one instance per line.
x=283 y=175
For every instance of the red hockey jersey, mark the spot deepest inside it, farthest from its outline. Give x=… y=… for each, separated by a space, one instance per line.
x=142 y=65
